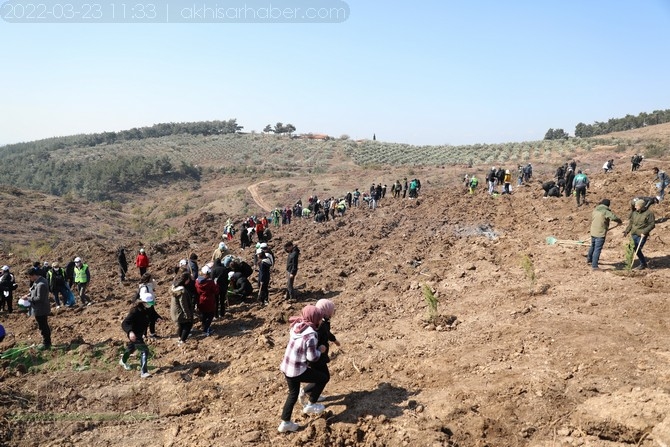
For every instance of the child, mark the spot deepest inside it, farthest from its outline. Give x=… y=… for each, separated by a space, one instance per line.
x=207 y=292
x=302 y=349
x=327 y=309
x=148 y=285
x=135 y=326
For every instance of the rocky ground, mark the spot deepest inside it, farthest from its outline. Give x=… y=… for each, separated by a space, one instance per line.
x=529 y=347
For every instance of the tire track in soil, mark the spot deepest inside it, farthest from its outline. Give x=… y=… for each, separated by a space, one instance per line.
x=253 y=190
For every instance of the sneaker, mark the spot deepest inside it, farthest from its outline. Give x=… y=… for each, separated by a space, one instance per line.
x=313 y=409
x=180 y=343
x=289 y=426
x=640 y=267
x=58 y=307
x=303 y=398
x=153 y=335
x=89 y=303
x=145 y=375
x=321 y=398
x=124 y=364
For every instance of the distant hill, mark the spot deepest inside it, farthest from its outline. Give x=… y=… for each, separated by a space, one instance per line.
x=102 y=169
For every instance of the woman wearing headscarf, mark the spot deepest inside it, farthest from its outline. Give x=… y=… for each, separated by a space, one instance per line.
x=302 y=348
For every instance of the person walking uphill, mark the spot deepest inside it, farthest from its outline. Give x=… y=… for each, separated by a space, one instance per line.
x=642 y=221
x=142 y=262
x=600 y=223
x=207 y=292
x=291 y=268
x=135 y=326
x=302 y=348
x=663 y=182
x=82 y=276
x=327 y=309
x=580 y=184
x=123 y=263
x=181 y=308
x=39 y=299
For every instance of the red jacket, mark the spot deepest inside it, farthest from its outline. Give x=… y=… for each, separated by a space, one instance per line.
x=142 y=260
x=207 y=290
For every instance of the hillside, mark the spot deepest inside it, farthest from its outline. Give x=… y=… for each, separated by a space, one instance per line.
x=569 y=358
x=107 y=169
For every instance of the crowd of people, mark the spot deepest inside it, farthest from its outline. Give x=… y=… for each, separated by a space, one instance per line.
x=202 y=294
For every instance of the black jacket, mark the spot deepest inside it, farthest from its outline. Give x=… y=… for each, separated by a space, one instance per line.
x=121 y=257
x=137 y=320
x=325 y=337
x=292 y=261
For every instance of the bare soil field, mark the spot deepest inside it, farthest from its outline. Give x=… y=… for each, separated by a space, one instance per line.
x=550 y=354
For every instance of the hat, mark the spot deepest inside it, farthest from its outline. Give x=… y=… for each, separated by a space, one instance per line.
x=46 y=264
x=230 y=275
x=258 y=245
x=639 y=204
x=264 y=245
x=5 y=268
x=205 y=269
x=259 y=251
x=148 y=298
x=77 y=259
x=605 y=202
x=55 y=265
x=141 y=250
x=222 y=246
x=183 y=263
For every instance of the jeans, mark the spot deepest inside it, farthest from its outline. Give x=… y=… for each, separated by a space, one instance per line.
x=594 y=252
x=290 y=292
x=580 y=191
x=184 y=330
x=641 y=241
x=311 y=375
x=206 y=318
x=81 y=287
x=140 y=346
x=661 y=189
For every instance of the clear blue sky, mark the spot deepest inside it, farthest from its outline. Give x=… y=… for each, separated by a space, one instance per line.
x=434 y=72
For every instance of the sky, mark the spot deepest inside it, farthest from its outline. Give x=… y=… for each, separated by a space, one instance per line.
x=431 y=72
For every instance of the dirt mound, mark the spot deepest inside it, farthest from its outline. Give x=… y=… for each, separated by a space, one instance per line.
x=540 y=346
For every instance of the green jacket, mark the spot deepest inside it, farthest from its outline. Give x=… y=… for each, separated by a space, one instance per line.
x=600 y=222
x=641 y=222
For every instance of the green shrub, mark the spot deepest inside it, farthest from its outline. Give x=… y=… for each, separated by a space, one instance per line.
x=529 y=269
x=629 y=254
x=431 y=301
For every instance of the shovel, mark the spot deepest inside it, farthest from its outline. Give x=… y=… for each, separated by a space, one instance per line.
x=551 y=240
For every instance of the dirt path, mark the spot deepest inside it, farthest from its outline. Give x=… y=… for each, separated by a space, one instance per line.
x=253 y=189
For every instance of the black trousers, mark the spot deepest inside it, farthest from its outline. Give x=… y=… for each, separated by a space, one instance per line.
x=311 y=375
x=184 y=330
x=43 y=324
